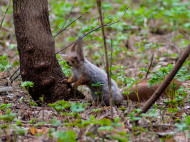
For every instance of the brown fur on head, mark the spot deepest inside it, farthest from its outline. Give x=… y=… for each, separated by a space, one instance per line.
x=76 y=56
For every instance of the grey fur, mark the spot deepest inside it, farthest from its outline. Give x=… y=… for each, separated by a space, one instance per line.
x=94 y=75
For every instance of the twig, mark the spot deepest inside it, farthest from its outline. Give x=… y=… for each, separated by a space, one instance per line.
x=65 y=20
x=8 y=30
x=149 y=65
x=15 y=78
x=99 y=27
x=65 y=47
x=111 y=59
x=5 y=14
x=110 y=73
x=122 y=15
x=109 y=24
x=62 y=29
x=106 y=55
x=5 y=89
x=14 y=73
x=166 y=82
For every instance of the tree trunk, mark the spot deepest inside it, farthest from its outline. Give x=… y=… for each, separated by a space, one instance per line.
x=36 y=49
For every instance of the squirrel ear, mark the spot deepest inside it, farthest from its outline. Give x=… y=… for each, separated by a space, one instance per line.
x=79 y=48
x=73 y=47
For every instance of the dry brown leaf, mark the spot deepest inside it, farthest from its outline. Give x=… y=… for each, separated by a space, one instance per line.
x=33 y=130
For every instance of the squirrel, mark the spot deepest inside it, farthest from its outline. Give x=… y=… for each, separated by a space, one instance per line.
x=86 y=73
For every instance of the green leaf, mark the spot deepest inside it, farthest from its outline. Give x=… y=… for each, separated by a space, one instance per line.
x=68 y=136
x=77 y=107
x=105 y=128
x=55 y=122
x=27 y=84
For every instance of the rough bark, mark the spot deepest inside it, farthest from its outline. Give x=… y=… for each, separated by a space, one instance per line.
x=36 y=49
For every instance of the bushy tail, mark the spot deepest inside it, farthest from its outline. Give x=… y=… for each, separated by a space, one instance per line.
x=142 y=92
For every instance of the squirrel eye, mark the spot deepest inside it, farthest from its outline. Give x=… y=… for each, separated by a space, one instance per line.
x=75 y=57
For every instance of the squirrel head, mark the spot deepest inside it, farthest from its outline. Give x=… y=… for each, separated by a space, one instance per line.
x=76 y=57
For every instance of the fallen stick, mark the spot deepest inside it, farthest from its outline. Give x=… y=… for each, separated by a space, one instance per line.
x=5 y=89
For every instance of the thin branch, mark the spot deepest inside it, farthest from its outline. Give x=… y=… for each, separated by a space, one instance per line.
x=106 y=55
x=15 y=78
x=111 y=59
x=122 y=15
x=110 y=72
x=66 y=47
x=149 y=65
x=66 y=19
x=166 y=82
x=14 y=73
x=109 y=24
x=62 y=29
x=99 y=27
x=5 y=89
x=5 y=14
x=8 y=5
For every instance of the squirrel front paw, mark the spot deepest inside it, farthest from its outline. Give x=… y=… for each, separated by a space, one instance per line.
x=64 y=81
x=75 y=86
x=69 y=81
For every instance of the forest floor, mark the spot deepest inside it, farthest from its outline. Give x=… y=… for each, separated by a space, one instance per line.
x=161 y=30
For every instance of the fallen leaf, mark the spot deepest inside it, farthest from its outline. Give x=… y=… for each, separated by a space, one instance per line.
x=33 y=130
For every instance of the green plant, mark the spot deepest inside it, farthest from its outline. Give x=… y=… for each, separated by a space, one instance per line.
x=61 y=105
x=183 y=74
x=27 y=85
x=8 y=117
x=65 y=68
x=5 y=106
x=133 y=119
x=77 y=107
x=4 y=63
x=98 y=93
x=8 y=127
x=68 y=136
x=184 y=125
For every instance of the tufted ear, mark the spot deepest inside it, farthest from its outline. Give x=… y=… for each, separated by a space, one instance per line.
x=73 y=47
x=79 y=48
